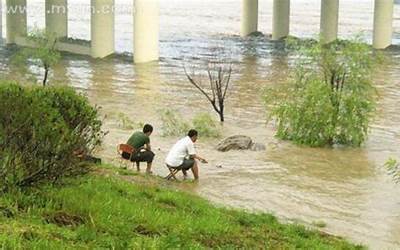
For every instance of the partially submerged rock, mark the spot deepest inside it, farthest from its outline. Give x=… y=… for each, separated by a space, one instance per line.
x=239 y=142
x=258 y=147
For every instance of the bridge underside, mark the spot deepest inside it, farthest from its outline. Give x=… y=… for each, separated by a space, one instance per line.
x=146 y=25
x=146 y=31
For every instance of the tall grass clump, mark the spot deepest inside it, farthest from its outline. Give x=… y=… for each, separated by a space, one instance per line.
x=126 y=123
x=330 y=98
x=42 y=133
x=206 y=125
x=173 y=124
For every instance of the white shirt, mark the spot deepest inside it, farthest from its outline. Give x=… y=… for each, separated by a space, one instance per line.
x=182 y=149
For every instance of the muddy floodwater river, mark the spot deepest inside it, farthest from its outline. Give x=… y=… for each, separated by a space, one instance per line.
x=346 y=188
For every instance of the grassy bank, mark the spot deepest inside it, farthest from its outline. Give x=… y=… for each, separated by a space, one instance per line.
x=114 y=210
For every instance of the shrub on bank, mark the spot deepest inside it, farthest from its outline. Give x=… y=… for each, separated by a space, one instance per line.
x=42 y=133
x=330 y=99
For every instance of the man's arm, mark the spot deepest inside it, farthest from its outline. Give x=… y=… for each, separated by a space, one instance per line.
x=193 y=155
x=198 y=158
x=147 y=146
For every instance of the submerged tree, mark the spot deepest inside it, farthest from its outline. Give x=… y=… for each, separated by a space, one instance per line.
x=43 y=52
x=330 y=99
x=218 y=75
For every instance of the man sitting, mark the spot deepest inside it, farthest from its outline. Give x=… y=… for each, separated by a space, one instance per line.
x=183 y=155
x=140 y=141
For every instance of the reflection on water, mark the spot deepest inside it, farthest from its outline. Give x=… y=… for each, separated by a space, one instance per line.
x=346 y=188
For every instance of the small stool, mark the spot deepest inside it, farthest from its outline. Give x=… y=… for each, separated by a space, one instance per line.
x=173 y=171
x=127 y=149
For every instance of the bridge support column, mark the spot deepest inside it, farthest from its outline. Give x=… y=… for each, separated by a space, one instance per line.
x=281 y=19
x=57 y=17
x=146 y=31
x=1 y=21
x=16 y=20
x=383 y=24
x=329 y=20
x=102 y=28
x=249 y=17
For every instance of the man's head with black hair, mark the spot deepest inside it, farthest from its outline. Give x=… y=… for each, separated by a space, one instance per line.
x=148 y=129
x=193 y=134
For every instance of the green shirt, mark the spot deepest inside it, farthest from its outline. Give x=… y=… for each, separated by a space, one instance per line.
x=138 y=140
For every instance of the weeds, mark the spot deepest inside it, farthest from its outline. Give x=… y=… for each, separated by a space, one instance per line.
x=124 y=122
x=174 y=124
x=206 y=125
x=393 y=166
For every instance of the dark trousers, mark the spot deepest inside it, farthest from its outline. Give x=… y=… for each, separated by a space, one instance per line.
x=145 y=156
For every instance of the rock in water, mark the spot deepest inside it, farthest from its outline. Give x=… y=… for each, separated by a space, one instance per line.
x=258 y=147
x=237 y=142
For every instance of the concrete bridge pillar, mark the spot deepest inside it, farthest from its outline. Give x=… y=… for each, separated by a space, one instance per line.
x=16 y=20
x=383 y=24
x=1 y=20
x=329 y=20
x=281 y=19
x=249 y=17
x=102 y=28
x=146 y=31
x=57 y=17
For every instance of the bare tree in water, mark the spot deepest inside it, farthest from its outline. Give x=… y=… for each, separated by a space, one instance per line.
x=218 y=74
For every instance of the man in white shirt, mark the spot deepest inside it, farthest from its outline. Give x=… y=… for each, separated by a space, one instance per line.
x=183 y=155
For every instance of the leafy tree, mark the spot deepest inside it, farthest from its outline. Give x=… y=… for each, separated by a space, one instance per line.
x=330 y=98
x=43 y=52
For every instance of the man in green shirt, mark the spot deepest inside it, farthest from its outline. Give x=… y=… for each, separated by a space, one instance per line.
x=140 y=141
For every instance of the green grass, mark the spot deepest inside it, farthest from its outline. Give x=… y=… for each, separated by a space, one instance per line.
x=104 y=211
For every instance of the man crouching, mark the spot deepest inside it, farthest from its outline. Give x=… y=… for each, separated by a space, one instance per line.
x=183 y=155
x=140 y=141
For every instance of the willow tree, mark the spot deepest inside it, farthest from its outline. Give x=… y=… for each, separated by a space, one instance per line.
x=329 y=98
x=42 y=52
